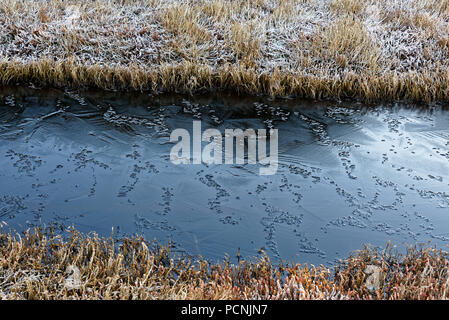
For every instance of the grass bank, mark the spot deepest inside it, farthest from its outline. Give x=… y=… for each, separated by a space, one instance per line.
x=367 y=49
x=41 y=265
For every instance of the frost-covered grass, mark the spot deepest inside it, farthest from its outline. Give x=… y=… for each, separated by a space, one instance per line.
x=372 y=49
x=40 y=265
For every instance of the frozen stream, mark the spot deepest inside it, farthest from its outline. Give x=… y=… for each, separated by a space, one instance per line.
x=348 y=174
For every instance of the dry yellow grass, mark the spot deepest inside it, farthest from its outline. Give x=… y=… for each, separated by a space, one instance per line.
x=348 y=6
x=41 y=265
x=370 y=49
x=346 y=43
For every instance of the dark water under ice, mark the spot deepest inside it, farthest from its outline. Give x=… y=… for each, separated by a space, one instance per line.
x=348 y=174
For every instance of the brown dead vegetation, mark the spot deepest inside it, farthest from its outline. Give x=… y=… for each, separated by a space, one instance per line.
x=371 y=49
x=38 y=264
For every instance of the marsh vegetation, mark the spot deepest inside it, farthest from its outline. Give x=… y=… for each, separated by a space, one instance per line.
x=372 y=49
x=40 y=265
